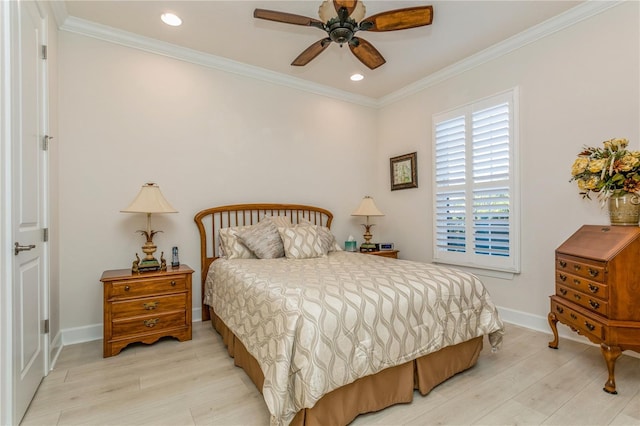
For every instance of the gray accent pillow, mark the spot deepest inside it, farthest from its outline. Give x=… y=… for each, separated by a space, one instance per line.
x=263 y=239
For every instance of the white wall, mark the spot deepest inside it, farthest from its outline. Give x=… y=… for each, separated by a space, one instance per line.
x=207 y=138
x=578 y=86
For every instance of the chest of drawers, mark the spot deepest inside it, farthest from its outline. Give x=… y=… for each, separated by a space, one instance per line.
x=143 y=307
x=597 y=282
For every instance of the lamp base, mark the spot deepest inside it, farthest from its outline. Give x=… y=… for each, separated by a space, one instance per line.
x=149 y=265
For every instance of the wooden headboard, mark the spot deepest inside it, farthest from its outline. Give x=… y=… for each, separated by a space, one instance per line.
x=211 y=220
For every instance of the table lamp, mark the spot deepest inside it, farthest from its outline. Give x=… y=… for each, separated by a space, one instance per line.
x=367 y=208
x=149 y=200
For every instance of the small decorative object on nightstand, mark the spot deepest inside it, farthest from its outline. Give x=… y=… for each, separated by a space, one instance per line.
x=145 y=307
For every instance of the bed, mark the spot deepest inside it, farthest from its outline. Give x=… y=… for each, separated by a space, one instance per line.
x=327 y=335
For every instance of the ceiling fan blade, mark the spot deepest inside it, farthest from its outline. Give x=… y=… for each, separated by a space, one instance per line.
x=350 y=5
x=287 y=18
x=366 y=53
x=399 y=19
x=311 y=52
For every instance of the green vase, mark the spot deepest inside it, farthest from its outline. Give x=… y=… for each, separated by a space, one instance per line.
x=624 y=209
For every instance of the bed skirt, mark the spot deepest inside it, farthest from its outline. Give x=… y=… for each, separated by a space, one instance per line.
x=391 y=386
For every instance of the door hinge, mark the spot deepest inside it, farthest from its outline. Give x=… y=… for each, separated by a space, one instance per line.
x=45 y=234
x=45 y=142
x=46 y=326
x=44 y=51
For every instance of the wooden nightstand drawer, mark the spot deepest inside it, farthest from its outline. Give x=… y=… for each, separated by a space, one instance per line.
x=150 y=323
x=133 y=288
x=578 y=321
x=593 y=304
x=594 y=272
x=587 y=286
x=148 y=306
x=393 y=254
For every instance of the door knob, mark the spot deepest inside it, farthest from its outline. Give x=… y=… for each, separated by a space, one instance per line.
x=20 y=248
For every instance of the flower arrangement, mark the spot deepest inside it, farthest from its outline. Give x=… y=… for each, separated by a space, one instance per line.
x=610 y=170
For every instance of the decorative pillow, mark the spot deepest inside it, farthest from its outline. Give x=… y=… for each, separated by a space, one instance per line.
x=231 y=246
x=302 y=242
x=263 y=240
x=328 y=239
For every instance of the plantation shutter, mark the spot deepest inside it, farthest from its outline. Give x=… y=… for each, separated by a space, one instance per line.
x=490 y=170
x=474 y=192
x=450 y=179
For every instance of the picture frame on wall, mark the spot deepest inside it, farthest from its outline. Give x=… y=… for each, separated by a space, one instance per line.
x=404 y=171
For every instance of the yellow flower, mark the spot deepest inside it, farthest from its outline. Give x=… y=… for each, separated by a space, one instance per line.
x=589 y=184
x=596 y=166
x=579 y=166
x=615 y=144
x=628 y=163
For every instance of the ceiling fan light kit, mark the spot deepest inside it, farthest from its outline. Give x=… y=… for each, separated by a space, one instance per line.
x=341 y=24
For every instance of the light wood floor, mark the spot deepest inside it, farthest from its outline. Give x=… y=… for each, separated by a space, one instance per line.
x=195 y=383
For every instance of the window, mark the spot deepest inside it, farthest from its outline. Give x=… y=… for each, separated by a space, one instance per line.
x=475 y=198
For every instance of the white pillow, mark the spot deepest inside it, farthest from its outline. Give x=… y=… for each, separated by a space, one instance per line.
x=302 y=242
x=263 y=239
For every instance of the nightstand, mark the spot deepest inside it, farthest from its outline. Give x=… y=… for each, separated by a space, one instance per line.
x=143 y=307
x=384 y=253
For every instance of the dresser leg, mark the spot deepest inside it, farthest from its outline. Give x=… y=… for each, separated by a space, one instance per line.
x=610 y=354
x=553 y=321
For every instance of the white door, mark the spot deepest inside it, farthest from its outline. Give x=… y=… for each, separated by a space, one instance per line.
x=28 y=208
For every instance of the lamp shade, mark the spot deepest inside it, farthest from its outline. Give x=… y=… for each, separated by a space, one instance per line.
x=367 y=208
x=150 y=200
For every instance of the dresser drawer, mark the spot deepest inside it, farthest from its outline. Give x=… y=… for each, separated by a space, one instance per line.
x=598 y=306
x=148 y=324
x=576 y=320
x=148 y=306
x=584 y=285
x=131 y=288
x=591 y=271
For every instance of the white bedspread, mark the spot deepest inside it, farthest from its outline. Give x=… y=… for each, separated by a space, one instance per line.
x=315 y=325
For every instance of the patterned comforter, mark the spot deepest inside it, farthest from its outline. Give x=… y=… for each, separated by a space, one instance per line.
x=315 y=325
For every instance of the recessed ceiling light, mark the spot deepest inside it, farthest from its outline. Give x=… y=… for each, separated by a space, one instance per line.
x=357 y=77
x=171 y=19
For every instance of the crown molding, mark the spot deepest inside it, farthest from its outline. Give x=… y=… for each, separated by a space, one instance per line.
x=570 y=17
x=91 y=29
x=59 y=9
x=147 y=44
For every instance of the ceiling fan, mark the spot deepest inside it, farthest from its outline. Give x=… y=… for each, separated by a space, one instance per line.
x=341 y=19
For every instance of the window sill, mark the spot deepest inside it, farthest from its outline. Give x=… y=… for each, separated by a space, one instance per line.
x=483 y=272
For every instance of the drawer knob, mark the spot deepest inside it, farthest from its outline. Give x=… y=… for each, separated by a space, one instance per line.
x=563 y=277
x=577 y=267
x=151 y=322
x=559 y=309
x=594 y=304
x=577 y=296
x=563 y=291
x=576 y=281
x=593 y=288
x=173 y=283
x=593 y=272
x=573 y=316
x=150 y=306
x=591 y=327
x=126 y=288
x=563 y=263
